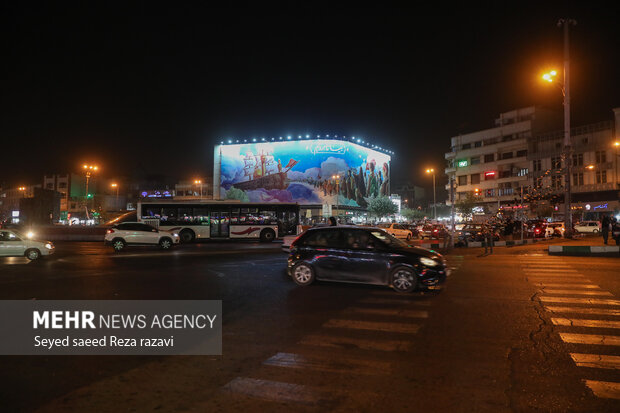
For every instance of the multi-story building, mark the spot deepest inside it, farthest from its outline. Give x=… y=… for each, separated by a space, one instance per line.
x=595 y=179
x=412 y=196
x=492 y=164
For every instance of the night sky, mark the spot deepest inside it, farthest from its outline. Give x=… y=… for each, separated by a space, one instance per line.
x=150 y=89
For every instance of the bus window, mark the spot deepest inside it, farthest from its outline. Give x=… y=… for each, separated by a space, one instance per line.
x=201 y=216
x=169 y=216
x=234 y=216
x=267 y=217
x=185 y=216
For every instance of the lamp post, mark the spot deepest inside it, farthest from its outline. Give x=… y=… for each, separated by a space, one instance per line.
x=89 y=170
x=567 y=152
x=22 y=189
x=199 y=182
x=115 y=185
x=432 y=171
x=616 y=146
x=337 y=179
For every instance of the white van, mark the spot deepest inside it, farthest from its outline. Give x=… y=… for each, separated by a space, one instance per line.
x=593 y=227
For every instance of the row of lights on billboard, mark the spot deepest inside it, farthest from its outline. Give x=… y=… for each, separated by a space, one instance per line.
x=353 y=138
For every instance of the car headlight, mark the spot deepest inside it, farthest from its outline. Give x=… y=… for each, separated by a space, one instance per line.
x=428 y=262
x=49 y=246
x=175 y=235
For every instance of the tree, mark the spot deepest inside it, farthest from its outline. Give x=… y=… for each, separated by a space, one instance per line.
x=412 y=214
x=465 y=206
x=382 y=206
x=543 y=211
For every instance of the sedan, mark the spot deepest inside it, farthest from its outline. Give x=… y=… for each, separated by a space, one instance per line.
x=397 y=230
x=363 y=255
x=15 y=244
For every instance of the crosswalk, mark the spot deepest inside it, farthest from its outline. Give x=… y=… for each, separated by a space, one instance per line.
x=359 y=341
x=587 y=318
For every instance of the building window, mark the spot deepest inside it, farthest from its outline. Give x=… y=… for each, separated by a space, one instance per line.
x=475 y=160
x=537 y=165
x=601 y=177
x=578 y=179
x=601 y=156
x=62 y=184
x=505 y=174
x=475 y=179
x=477 y=144
x=523 y=172
x=462 y=180
x=556 y=162
x=489 y=157
x=522 y=153
x=556 y=181
x=466 y=146
x=578 y=159
x=507 y=155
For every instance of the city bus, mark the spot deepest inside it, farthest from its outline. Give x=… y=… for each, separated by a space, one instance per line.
x=195 y=220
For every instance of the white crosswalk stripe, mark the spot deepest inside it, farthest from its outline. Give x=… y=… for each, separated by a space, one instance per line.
x=568 y=285
x=397 y=312
x=579 y=322
x=604 y=389
x=600 y=361
x=583 y=310
x=350 y=342
x=595 y=301
x=590 y=339
x=334 y=365
x=406 y=328
x=576 y=292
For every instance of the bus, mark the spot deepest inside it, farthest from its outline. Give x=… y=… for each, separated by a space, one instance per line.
x=195 y=220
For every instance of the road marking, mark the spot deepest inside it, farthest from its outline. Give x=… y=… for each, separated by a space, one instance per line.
x=335 y=365
x=604 y=389
x=577 y=292
x=400 y=301
x=590 y=339
x=601 y=301
x=596 y=361
x=550 y=270
x=372 y=325
x=548 y=267
x=579 y=322
x=349 y=342
x=274 y=390
x=398 y=312
x=583 y=310
x=569 y=285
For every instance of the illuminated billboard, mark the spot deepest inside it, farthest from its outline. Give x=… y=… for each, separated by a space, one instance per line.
x=318 y=171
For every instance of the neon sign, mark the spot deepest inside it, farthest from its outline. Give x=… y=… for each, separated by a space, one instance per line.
x=463 y=163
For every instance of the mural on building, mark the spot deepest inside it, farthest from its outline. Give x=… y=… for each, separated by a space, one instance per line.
x=305 y=171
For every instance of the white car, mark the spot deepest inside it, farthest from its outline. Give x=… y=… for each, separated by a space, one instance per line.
x=15 y=244
x=588 y=226
x=137 y=233
x=397 y=231
x=554 y=229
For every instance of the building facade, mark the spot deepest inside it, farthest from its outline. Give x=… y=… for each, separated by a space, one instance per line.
x=492 y=164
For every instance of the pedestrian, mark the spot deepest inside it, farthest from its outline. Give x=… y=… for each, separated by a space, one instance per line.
x=332 y=222
x=605 y=227
x=488 y=238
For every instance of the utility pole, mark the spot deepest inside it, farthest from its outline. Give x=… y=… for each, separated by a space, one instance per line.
x=452 y=210
x=568 y=218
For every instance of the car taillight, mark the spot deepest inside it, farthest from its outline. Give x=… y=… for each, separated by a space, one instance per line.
x=537 y=230
x=110 y=231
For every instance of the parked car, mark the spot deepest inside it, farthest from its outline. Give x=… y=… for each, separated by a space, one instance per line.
x=433 y=231
x=554 y=229
x=397 y=230
x=593 y=227
x=16 y=244
x=536 y=229
x=363 y=255
x=475 y=233
x=413 y=228
x=137 y=233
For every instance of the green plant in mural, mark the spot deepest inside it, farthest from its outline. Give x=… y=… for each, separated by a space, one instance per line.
x=235 y=193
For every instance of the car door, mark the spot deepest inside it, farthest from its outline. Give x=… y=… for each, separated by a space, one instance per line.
x=328 y=255
x=10 y=244
x=146 y=234
x=365 y=260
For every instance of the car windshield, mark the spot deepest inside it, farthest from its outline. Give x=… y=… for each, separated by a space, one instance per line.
x=388 y=239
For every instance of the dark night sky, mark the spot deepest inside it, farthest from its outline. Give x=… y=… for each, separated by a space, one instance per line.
x=150 y=89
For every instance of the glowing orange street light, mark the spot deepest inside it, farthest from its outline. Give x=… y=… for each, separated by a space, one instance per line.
x=590 y=167
x=432 y=171
x=199 y=182
x=549 y=76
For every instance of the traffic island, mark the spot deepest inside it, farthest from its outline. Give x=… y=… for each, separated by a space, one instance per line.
x=585 y=250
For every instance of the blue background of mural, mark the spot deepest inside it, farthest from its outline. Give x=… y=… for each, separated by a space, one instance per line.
x=310 y=166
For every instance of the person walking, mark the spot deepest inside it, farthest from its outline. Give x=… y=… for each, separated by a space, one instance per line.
x=508 y=230
x=605 y=227
x=488 y=238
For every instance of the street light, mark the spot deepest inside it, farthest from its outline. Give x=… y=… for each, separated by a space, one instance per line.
x=115 y=185
x=432 y=171
x=616 y=146
x=337 y=179
x=199 y=182
x=88 y=170
x=567 y=152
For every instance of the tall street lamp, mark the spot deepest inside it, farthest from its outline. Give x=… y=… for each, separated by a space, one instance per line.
x=616 y=146
x=22 y=189
x=115 y=186
x=199 y=182
x=567 y=152
x=337 y=179
x=88 y=170
x=432 y=171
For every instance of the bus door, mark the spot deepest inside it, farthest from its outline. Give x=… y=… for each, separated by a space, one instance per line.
x=220 y=224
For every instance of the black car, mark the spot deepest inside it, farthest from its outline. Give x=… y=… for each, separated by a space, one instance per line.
x=363 y=255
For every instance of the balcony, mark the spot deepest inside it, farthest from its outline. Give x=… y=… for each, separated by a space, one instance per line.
x=609 y=186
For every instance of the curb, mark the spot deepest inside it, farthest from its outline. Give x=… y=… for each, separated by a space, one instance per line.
x=481 y=244
x=585 y=250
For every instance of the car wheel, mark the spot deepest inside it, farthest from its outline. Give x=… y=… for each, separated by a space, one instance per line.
x=267 y=235
x=303 y=274
x=32 y=254
x=403 y=280
x=595 y=231
x=165 y=243
x=186 y=236
x=118 y=244
x=408 y=237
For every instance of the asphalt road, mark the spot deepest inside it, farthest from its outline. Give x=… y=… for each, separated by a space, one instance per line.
x=514 y=331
